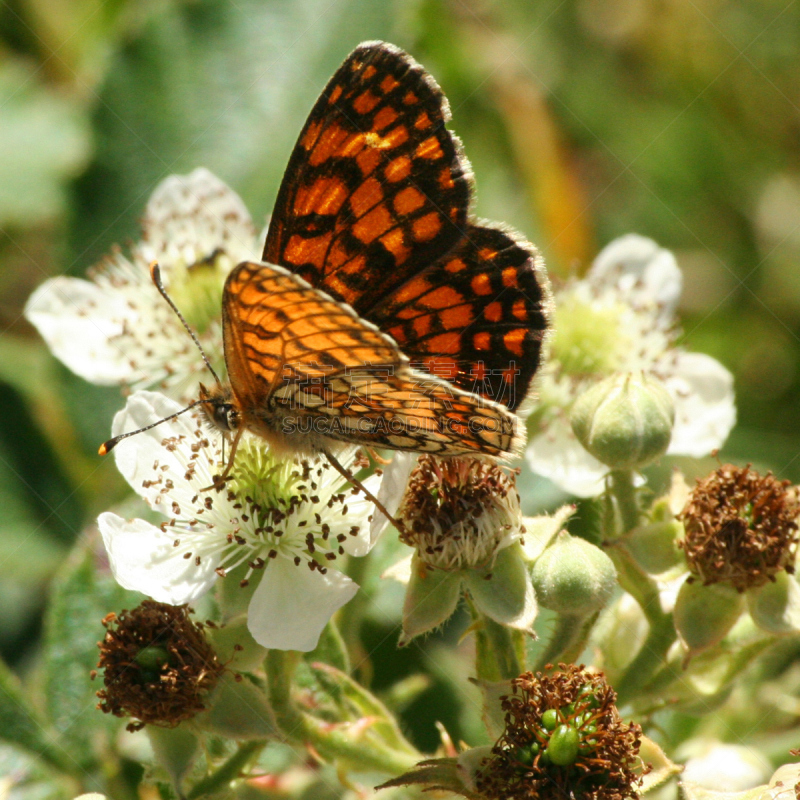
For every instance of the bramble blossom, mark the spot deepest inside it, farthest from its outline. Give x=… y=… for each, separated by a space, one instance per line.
x=620 y=318
x=284 y=523
x=116 y=328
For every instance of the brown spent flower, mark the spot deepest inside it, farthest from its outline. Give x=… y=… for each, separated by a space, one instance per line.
x=456 y=511
x=158 y=665
x=741 y=527
x=563 y=739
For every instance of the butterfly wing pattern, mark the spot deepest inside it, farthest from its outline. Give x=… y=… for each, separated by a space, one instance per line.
x=396 y=321
x=309 y=367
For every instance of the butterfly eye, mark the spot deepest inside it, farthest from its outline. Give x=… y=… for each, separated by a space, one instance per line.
x=226 y=417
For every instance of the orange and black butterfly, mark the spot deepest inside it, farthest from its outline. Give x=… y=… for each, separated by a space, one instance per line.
x=383 y=315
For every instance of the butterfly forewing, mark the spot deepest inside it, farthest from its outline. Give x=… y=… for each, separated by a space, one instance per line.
x=302 y=362
x=376 y=188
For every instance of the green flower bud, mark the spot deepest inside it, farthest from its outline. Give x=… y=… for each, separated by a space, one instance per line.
x=625 y=421
x=573 y=577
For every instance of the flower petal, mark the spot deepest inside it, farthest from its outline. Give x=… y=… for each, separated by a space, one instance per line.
x=79 y=321
x=702 y=390
x=393 y=487
x=560 y=457
x=639 y=266
x=143 y=558
x=188 y=217
x=136 y=455
x=291 y=605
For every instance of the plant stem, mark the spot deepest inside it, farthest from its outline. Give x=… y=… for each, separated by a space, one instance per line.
x=500 y=651
x=625 y=494
x=228 y=772
x=650 y=657
x=568 y=630
x=332 y=741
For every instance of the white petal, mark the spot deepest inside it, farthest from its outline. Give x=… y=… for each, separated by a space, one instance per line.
x=560 y=457
x=393 y=487
x=634 y=260
x=401 y=571
x=190 y=216
x=291 y=605
x=135 y=457
x=143 y=558
x=359 y=510
x=79 y=321
x=704 y=404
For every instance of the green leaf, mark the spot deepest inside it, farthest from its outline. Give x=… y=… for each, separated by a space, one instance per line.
x=44 y=141
x=81 y=597
x=20 y=724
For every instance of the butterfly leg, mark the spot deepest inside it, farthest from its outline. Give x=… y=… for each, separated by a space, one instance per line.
x=357 y=483
x=220 y=480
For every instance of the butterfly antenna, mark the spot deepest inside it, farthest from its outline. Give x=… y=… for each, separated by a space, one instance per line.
x=347 y=475
x=155 y=274
x=106 y=447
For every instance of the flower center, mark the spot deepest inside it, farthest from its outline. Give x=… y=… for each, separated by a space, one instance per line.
x=271 y=508
x=457 y=511
x=197 y=290
x=589 y=337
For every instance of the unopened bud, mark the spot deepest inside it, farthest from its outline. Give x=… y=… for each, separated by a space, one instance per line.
x=573 y=576
x=625 y=421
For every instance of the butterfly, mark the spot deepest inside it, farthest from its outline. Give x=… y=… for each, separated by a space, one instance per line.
x=381 y=315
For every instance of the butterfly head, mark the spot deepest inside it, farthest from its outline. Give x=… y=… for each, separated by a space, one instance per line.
x=220 y=407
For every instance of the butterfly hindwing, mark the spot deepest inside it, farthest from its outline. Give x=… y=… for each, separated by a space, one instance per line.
x=476 y=317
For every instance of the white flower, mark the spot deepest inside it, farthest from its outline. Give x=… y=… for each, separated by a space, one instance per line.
x=620 y=318
x=116 y=328
x=288 y=521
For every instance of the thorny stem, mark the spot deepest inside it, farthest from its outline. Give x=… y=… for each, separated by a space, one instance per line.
x=500 y=651
x=228 y=772
x=333 y=742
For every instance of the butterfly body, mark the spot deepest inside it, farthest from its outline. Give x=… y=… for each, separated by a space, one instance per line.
x=381 y=315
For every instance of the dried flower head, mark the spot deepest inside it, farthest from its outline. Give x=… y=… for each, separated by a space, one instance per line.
x=563 y=738
x=458 y=512
x=158 y=665
x=741 y=527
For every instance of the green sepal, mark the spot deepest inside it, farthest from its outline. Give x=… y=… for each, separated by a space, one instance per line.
x=775 y=606
x=431 y=598
x=236 y=710
x=176 y=751
x=704 y=614
x=504 y=591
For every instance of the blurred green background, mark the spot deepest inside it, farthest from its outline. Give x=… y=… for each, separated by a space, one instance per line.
x=583 y=120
